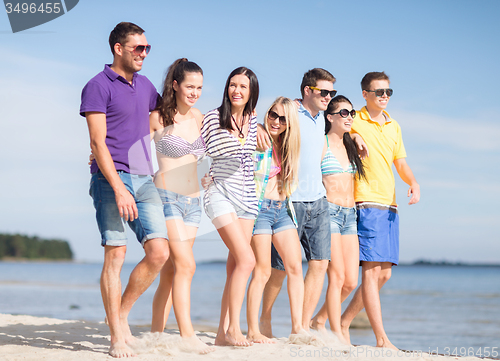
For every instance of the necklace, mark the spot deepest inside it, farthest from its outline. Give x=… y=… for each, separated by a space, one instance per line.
x=240 y=130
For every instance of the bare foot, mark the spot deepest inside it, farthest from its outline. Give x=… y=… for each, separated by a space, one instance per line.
x=341 y=338
x=259 y=338
x=237 y=339
x=127 y=334
x=120 y=349
x=388 y=344
x=194 y=344
x=303 y=337
x=220 y=340
x=316 y=325
x=265 y=328
x=345 y=333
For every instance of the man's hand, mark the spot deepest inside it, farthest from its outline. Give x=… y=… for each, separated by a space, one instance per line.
x=263 y=139
x=362 y=147
x=126 y=205
x=91 y=157
x=407 y=176
x=414 y=192
x=206 y=180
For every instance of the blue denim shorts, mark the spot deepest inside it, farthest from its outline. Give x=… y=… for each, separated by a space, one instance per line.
x=343 y=219
x=149 y=225
x=178 y=206
x=313 y=219
x=217 y=204
x=273 y=218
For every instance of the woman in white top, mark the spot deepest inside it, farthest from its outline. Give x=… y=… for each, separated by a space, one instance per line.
x=230 y=202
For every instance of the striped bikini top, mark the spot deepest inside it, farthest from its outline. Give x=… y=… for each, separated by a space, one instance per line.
x=174 y=146
x=331 y=165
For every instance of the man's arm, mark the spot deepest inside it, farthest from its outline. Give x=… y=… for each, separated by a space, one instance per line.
x=263 y=139
x=97 y=130
x=362 y=147
x=407 y=176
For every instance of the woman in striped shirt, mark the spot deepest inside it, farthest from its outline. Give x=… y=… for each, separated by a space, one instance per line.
x=230 y=133
x=175 y=126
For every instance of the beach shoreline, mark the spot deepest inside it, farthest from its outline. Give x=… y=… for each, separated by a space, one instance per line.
x=25 y=337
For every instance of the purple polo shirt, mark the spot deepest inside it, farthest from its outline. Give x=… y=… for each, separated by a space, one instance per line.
x=127 y=107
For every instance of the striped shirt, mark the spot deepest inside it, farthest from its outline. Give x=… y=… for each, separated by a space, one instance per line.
x=232 y=163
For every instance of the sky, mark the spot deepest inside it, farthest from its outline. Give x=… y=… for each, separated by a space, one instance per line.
x=442 y=58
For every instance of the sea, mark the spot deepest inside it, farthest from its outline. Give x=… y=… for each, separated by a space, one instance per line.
x=426 y=308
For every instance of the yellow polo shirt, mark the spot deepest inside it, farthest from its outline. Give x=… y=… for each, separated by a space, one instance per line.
x=385 y=145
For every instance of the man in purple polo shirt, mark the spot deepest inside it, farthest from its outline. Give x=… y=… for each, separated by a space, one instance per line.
x=116 y=104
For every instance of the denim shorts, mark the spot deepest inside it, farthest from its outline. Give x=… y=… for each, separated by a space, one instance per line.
x=343 y=219
x=217 y=204
x=149 y=225
x=178 y=206
x=273 y=218
x=313 y=219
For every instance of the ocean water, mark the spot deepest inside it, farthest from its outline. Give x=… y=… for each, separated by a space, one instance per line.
x=424 y=308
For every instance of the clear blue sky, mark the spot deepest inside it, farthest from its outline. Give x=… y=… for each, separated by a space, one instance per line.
x=442 y=57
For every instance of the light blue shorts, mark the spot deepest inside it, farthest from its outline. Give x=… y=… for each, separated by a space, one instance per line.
x=217 y=204
x=378 y=233
x=178 y=206
x=273 y=218
x=149 y=225
x=342 y=219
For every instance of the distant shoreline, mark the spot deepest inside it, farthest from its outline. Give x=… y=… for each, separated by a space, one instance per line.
x=402 y=264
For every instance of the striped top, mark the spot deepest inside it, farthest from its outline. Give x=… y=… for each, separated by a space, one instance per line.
x=331 y=165
x=232 y=164
x=174 y=146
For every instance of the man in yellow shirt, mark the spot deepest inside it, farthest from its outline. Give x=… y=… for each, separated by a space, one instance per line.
x=378 y=220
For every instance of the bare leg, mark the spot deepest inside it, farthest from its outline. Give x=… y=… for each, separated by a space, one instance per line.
x=236 y=235
x=141 y=278
x=271 y=292
x=357 y=302
x=111 y=297
x=162 y=301
x=373 y=273
x=220 y=339
x=313 y=285
x=261 y=245
x=288 y=246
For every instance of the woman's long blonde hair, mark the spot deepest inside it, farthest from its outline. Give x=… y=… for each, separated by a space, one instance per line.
x=288 y=144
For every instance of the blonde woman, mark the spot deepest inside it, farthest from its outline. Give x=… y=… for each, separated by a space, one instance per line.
x=275 y=177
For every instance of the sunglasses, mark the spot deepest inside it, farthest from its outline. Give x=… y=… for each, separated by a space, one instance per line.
x=139 y=49
x=380 y=92
x=344 y=113
x=273 y=116
x=324 y=92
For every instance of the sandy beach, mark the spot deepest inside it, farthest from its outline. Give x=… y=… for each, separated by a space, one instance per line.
x=38 y=338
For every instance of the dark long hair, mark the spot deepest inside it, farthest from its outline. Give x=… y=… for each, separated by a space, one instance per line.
x=225 y=108
x=168 y=104
x=350 y=145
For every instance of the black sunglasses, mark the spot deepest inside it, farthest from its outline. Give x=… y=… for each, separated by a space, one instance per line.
x=380 y=92
x=324 y=92
x=344 y=113
x=137 y=50
x=273 y=116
